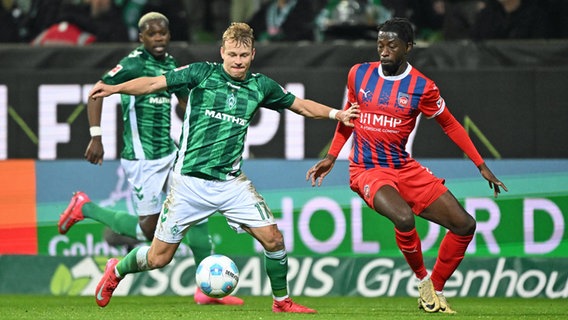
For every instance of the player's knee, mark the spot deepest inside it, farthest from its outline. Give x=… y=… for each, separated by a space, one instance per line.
x=466 y=227
x=275 y=243
x=404 y=221
x=470 y=226
x=158 y=261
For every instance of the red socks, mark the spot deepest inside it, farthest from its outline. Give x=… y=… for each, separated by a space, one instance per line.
x=409 y=245
x=451 y=253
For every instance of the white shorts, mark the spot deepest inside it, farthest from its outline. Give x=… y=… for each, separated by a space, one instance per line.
x=148 y=180
x=192 y=200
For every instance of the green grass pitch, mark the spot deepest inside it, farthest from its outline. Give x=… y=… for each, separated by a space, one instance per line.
x=332 y=308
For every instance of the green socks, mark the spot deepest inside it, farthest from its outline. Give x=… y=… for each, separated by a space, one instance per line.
x=120 y=222
x=135 y=261
x=276 y=264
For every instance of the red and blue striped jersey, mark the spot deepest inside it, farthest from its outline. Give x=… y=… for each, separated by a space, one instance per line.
x=389 y=107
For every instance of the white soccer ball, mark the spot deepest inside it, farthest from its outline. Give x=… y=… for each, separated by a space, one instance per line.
x=217 y=276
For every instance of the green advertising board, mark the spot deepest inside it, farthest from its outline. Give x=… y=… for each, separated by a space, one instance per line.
x=307 y=276
x=333 y=221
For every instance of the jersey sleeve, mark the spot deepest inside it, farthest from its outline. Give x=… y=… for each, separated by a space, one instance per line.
x=431 y=103
x=187 y=76
x=127 y=69
x=459 y=136
x=340 y=137
x=181 y=92
x=275 y=96
x=351 y=91
x=343 y=132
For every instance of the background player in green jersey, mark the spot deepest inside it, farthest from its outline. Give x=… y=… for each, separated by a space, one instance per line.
x=207 y=177
x=149 y=151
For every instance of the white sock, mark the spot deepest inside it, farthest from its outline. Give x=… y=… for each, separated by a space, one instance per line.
x=280 y=298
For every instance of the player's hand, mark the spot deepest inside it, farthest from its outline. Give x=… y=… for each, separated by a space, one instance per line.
x=320 y=170
x=346 y=116
x=100 y=90
x=95 y=151
x=494 y=183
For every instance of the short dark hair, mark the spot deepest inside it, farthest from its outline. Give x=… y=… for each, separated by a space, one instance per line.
x=401 y=26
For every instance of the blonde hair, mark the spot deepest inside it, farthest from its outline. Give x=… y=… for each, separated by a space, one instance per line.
x=143 y=22
x=239 y=32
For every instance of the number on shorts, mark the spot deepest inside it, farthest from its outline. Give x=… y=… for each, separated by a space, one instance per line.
x=263 y=210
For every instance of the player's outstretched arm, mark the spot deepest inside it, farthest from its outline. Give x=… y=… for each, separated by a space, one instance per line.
x=320 y=170
x=312 y=109
x=494 y=183
x=459 y=136
x=136 y=87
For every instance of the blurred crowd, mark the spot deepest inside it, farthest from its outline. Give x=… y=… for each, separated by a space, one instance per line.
x=80 y=22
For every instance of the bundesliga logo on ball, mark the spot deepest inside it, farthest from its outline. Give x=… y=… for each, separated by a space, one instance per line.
x=217 y=276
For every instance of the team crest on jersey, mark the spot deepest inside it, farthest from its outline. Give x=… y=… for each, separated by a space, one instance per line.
x=115 y=70
x=402 y=101
x=231 y=101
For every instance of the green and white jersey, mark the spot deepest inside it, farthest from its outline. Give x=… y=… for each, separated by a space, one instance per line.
x=146 y=118
x=219 y=111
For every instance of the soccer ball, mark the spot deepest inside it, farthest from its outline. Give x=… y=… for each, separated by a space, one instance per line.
x=217 y=276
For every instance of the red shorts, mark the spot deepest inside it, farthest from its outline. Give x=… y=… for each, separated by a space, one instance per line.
x=415 y=183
